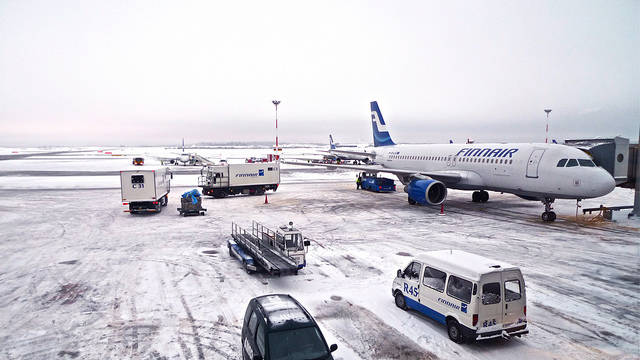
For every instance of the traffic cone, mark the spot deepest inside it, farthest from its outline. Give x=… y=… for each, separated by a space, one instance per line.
x=266 y=200
x=441 y=209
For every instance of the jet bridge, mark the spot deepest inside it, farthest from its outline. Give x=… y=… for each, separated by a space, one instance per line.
x=620 y=159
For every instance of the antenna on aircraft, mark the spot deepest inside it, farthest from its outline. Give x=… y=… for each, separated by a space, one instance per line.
x=546 y=139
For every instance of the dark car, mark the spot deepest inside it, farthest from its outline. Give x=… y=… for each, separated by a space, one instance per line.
x=277 y=327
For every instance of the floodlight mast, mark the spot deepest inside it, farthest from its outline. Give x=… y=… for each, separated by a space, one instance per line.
x=546 y=139
x=277 y=148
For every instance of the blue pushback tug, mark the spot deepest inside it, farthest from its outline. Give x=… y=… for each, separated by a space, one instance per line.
x=372 y=182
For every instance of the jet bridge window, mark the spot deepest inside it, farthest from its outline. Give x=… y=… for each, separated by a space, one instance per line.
x=586 y=163
x=459 y=288
x=572 y=163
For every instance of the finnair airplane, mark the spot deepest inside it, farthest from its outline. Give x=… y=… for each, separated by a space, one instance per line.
x=342 y=154
x=536 y=171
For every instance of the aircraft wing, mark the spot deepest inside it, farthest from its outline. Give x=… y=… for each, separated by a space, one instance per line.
x=447 y=177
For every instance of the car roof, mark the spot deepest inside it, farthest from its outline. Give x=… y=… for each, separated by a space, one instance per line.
x=462 y=263
x=283 y=312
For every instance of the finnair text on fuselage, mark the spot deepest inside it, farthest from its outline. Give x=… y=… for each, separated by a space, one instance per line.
x=486 y=152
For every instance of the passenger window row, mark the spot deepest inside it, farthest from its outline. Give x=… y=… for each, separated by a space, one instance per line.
x=462 y=289
x=575 y=162
x=459 y=159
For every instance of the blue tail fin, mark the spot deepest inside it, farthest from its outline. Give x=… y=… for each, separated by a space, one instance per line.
x=331 y=144
x=381 y=136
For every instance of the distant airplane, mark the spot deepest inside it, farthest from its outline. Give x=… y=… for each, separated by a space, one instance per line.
x=535 y=171
x=341 y=154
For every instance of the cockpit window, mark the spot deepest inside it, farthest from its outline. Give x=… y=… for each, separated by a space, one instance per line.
x=572 y=163
x=562 y=162
x=586 y=163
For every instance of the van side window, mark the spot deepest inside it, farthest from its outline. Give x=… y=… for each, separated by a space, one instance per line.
x=253 y=322
x=247 y=315
x=137 y=179
x=260 y=339
x=490 y=293
x=412 y=272
x=459 y=288
x=434 y=278
x=512 y=290
x=562 y=162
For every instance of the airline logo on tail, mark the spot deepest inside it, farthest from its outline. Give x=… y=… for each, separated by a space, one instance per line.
x=331 y=145
x=381 y=135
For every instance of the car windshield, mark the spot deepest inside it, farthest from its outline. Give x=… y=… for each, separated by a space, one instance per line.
x=305 y=343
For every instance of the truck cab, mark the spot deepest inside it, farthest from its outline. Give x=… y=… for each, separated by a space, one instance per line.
x=278 y=327
x=290 y=242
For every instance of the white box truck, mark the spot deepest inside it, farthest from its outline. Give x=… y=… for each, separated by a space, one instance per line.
x=232 y=179
x=145 y=190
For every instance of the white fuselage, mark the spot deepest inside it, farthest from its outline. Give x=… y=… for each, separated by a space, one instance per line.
x=518 y=168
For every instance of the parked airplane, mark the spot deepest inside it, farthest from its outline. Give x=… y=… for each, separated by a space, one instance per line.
x=341 y=154
x=536 y=171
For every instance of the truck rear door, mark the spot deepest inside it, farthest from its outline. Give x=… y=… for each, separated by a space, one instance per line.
x=514 y=297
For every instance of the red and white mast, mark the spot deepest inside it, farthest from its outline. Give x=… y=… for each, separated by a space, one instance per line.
x=277 y=148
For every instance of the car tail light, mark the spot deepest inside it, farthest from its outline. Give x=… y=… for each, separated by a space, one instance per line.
x=475 y=319
x=379 y=187
x=155 y=203
x=125 y=203
x=525 y=310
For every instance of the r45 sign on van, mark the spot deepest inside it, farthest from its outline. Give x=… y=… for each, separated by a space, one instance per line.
x=410 y=289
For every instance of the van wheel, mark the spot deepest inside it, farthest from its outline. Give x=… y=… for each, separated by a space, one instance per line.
x=400 y=301
x=453 y=329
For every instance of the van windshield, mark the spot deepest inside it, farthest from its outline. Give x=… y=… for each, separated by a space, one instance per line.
x=304 y=343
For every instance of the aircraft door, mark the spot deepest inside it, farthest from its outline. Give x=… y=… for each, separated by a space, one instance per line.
x=534 y=162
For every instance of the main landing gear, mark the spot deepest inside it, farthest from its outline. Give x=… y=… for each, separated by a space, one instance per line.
x=548 y=215
x=480 y=196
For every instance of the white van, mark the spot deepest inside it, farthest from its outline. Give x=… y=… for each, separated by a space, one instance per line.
x=475 y=297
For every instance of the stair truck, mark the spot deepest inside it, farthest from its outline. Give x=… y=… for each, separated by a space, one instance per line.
x=280 y=252
x=145 y=190
x=233 y=179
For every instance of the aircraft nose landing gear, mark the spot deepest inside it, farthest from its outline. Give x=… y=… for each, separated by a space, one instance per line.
x=548 y=215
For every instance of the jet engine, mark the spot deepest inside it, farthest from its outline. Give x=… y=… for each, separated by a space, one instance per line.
x=426 y=192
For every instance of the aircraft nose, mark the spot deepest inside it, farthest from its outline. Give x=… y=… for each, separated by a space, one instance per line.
x=604 y=183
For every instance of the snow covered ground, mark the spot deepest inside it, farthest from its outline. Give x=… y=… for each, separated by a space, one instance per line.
x=79 y=278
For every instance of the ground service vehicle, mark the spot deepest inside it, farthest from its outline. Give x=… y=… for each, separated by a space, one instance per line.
x=372 y=182
x=145 y=190
x=232 y=179
x=278 y=327
x=475 y=297
x=279 y=252
x=138 y=161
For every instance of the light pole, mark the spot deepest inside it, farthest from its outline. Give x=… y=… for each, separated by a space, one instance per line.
x=546 y=139
x=277 y=148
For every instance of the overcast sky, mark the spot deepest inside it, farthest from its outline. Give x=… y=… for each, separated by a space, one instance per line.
x=132 y=72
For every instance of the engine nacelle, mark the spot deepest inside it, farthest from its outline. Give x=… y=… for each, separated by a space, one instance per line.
x=427 y=192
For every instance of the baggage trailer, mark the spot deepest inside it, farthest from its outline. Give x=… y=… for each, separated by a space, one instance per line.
x=145 y=190
x=222 y=180
x=280 y=252
x=191 y=204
